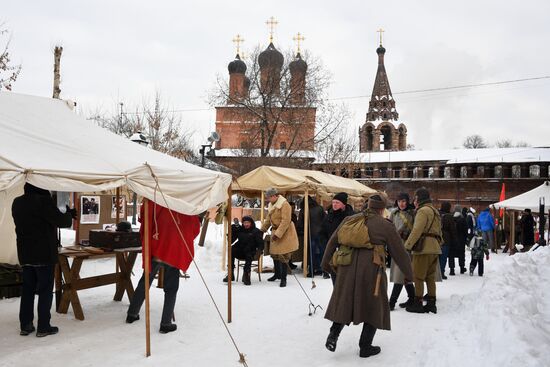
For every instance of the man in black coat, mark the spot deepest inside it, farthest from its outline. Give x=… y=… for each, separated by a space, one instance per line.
x=459 y=247
x=527 y=228
x=448 y=229
x=249 y=242
x=339 y=210
x=36 y=219
x=316 y=248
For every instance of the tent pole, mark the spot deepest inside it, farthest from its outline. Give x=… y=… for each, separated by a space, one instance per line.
x=306 y=231
x=229 y=275
x=147 y=269
x=512 y=233
x=262 y=205
x=117 y=207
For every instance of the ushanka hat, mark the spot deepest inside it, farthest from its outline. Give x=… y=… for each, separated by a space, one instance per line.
x=378 y=201
x=271 y=191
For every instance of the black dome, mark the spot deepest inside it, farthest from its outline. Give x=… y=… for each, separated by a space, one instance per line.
x=380 y=50
x=271 y=57
x=237 y=66
x=298 y=65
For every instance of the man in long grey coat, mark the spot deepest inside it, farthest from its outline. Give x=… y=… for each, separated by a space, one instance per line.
x=356 y=297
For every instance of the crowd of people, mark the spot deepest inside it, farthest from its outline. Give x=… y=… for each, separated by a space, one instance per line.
x=416 y=240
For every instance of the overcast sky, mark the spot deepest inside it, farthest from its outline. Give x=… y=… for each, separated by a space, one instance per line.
x=125 y=50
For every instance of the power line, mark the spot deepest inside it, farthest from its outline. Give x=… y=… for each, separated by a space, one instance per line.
x=414 y=91
x=451 y=87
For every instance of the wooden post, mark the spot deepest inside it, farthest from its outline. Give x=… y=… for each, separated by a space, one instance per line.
x=147 y=269
x=512 y=247
x=56 y=74
x=306 y=231
x=229 y=275
x=224 y=246
x=117 y=206
x=262 y=205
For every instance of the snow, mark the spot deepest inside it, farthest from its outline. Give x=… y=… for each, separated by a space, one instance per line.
x=502 y=319
x=457 y=156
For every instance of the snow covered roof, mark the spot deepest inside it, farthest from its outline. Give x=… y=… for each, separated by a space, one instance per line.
x=256 y=153
x=458 y=156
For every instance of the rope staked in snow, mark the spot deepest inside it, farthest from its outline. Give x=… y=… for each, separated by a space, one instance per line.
x=242 y=358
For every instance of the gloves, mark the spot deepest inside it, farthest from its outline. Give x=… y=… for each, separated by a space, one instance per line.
x=72 y=212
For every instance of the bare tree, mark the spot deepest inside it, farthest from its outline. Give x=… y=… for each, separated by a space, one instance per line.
x=503 y=143
x=474 y=142
x=522 y=144
x=8 y=71
x=341 y=148
x=164 y=129
x=270 y=108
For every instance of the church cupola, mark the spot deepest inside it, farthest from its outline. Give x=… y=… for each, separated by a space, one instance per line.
x=237 y=79
x=271 y=62
x=298 y=70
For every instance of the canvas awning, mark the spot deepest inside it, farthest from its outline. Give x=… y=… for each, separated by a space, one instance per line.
x=291 y=180
x=527 y=200
x=46 y=144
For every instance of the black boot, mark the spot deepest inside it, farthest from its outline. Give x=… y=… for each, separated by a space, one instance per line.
x=462 y=270
x=283 y=271
x=365 y=342
x=396 y=290
x=333 y=335
x=430 y=305
x=410 y=293
x=226 y=279
x=452 y=272
x=416 y=306
x=276 y=272
x=246 y=278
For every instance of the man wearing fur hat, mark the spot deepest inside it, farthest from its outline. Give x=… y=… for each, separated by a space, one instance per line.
x=249 y=242
x=425 y=243
x=339 y=210
x=360 y=292
x=284 y=240
x=403 y=218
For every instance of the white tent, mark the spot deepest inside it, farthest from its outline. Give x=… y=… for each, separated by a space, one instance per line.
x=45 y=143
x=527 y=200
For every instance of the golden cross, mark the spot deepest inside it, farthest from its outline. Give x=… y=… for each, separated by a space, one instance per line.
x=380 y=31
x=298 y=38
x=271 y=23
x=237 y=41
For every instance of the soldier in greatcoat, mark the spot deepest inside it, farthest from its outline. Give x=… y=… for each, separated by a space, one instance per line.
x=360 y=292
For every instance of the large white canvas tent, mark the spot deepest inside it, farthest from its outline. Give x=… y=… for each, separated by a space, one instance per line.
x=45 y=143
x=527 y=200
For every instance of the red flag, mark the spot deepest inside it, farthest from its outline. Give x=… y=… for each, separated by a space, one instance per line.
x=502 y=198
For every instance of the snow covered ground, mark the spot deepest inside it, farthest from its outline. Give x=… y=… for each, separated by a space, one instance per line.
x=502 y=319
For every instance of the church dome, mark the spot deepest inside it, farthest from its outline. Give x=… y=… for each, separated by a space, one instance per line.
x=271 y=57
x=380 y=50
x=237 y=66
x=298 y=65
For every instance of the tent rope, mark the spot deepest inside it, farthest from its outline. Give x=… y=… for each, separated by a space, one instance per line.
x=242 y=356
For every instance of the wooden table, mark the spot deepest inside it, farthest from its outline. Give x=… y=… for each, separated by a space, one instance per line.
x=125 y=259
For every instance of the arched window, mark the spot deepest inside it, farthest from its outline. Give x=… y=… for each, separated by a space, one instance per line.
x=283 y=145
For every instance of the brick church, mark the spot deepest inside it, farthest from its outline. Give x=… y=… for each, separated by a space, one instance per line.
x=267 y=117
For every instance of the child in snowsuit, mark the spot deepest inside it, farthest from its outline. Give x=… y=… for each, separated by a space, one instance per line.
x=478 y=249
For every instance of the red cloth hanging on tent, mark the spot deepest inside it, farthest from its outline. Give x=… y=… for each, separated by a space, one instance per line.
x=165 y=241
x=502 y=198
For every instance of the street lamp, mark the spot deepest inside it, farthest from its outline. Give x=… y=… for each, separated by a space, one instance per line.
x=214 y=137
x=141 y=139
